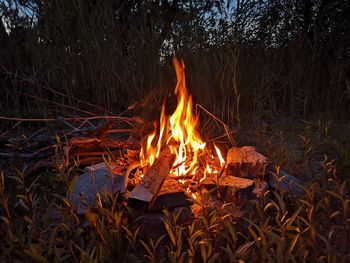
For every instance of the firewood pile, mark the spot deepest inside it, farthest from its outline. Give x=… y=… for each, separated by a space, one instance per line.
x=108 y=156
x=83 y=143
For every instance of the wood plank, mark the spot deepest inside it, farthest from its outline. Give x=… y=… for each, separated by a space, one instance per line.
x=153 y=180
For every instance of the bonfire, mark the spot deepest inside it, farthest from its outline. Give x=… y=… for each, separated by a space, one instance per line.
x=170 y=168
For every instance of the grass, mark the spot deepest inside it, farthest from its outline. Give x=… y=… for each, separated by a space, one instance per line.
x=38 y=223
x=97 y=57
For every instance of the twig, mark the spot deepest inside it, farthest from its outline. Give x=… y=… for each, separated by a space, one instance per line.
x=224 y=135
x=59 y=104
x=14 y=126
x=119 y=131
x=70 y=125
x=125 y=119
x=36 y=134
x=131 y=167
x=228 y=134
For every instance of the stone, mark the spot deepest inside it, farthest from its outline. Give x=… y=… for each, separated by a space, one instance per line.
x=97 y=179
x=246 y=162
x=286 y=183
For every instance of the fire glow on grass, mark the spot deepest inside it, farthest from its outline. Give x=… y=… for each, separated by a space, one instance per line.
x=180 y=133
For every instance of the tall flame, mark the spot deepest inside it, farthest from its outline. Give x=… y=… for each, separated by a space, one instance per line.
x=178 y=132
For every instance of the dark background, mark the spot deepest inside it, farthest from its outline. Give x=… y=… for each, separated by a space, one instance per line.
x=259 y=57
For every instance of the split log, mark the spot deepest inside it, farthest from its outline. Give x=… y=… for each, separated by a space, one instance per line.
x=246 y=162
x=172 y=194
x=230 y=188
x=153 y=180
x=230 y=181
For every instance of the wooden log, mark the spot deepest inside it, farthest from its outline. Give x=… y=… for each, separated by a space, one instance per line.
x=153 y=180
x=171 y=194
x=246 y=162
x=231 y=188
x=230 y=181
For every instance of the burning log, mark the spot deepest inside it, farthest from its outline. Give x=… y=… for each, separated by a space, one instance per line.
x=153 y=180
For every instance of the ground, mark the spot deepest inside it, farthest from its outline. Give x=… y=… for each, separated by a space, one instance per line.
x=38 y=224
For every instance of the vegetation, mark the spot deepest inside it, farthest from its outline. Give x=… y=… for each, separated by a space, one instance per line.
x=260 y=66
x=39 y=224
x=286 y=57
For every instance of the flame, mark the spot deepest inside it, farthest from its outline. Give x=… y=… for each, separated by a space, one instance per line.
x=180 y=133
x=221 y=159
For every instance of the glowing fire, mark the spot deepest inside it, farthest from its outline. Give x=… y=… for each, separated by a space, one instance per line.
x=179 y=132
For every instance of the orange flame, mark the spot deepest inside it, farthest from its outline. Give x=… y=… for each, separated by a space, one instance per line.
x=178 y=132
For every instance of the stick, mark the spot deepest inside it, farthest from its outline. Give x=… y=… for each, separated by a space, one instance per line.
x=125 y=119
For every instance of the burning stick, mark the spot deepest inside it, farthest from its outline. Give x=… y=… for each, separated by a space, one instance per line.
x=154 y=178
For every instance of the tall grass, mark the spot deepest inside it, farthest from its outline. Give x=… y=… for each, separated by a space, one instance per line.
x=115 y=53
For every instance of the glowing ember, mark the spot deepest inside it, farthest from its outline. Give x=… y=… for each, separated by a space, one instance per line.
x=179 y=132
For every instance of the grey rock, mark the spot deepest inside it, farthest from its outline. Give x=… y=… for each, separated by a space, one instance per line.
x=97 y=179
x=286 y=183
